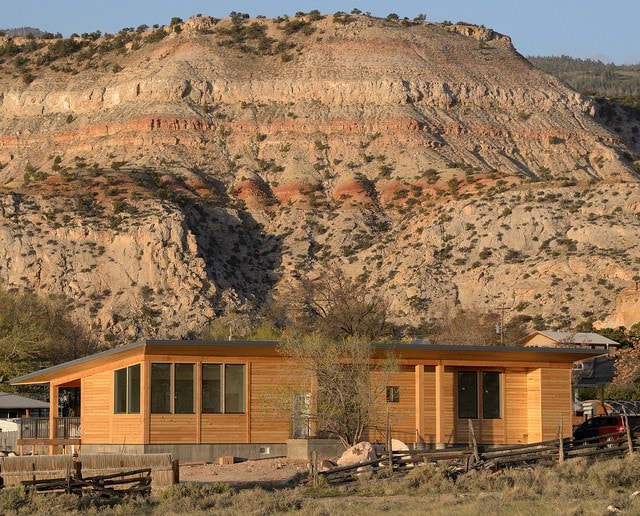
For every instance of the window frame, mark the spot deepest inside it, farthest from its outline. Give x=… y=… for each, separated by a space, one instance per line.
x=130 y=398
x=172 y=390
x=471 y=411
x=393 y=394
x=223 y=392
x=484 y=405
x=492 y=404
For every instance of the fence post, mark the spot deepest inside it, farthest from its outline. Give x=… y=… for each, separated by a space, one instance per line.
x=472 y=442
x=561 y=442
x=78 y=469
x=314 y=467
x=175 y=468
x=625 y=419
x=389 y=445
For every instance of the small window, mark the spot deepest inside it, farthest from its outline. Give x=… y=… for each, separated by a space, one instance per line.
x=393 y=394
x=126 y=383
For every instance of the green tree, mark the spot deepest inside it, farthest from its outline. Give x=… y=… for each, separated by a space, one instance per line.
x=37 y=333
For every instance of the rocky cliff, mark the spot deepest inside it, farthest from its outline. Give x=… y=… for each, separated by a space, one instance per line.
x=159 y=178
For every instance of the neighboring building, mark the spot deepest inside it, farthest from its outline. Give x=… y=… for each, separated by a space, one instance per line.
x=588 y=373
x=200 y=400
x=13 y=406
x=570 y=339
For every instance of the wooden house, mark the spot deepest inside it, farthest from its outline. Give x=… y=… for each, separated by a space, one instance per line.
x=201 y=400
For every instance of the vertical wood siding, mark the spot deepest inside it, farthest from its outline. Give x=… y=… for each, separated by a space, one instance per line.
x=556 y=402
x=273 y=385
x=534 y=405
x=99 y=424
x=515 y=407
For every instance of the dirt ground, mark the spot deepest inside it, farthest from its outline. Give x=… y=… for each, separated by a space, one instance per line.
x=264 y=472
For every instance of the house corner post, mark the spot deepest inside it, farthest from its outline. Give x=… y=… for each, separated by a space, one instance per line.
x=419 y=384
x=440 y=416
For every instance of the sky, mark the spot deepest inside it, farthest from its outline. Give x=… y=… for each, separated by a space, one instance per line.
x=594 y=29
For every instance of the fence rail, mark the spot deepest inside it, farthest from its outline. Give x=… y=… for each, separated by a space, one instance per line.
x=474 y=457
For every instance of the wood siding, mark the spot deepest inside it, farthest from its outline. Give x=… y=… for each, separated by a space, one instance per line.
x=401 y=413
x=98 y=422
x=534 y=405
x=429 y=412
x=224 y=428
x=549 y=403
x=556 y=402
x=173 y=428
x=515 y=407
x=273 y=385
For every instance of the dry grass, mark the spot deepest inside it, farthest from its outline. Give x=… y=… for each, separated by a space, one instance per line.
x=578 y=487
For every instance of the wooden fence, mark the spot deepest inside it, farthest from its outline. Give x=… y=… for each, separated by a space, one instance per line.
x=8 y=441
x=474 y=457
x=14 y=470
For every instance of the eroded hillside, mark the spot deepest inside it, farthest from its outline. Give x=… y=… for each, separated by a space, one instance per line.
x=159 y=178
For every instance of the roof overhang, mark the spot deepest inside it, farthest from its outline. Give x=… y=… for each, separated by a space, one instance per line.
x=490 y=353
x=418 y=352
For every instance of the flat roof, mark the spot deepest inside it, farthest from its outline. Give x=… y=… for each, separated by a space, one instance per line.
x=417 y=351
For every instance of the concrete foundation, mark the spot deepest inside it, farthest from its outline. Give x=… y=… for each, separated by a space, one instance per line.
x=186 y=453
x=325 y=448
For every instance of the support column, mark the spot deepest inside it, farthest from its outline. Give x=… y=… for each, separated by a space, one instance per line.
x=54 y=402
x=440 y=416
x=419 y=384
x=145 y=401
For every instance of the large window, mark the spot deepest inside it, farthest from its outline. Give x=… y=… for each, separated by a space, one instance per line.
x=126 y=391
x=223 y=388
x=184 y=401
x=172 y=388
x=470 y=385
x=491 y=395
x=467 y=394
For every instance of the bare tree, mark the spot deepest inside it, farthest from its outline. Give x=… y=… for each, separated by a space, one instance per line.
x=345 y=393
x=474 y=327
x=467 y=327
x=335 y=306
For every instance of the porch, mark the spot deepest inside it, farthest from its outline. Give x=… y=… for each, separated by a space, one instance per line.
x=48 y=431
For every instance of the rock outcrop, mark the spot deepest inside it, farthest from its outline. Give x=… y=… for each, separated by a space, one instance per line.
x=160 y=181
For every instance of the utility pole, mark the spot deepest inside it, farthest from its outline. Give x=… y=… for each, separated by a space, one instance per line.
x=502 y=308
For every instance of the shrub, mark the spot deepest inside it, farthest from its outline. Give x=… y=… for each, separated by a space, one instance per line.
x=63 y=48
x=155 y=36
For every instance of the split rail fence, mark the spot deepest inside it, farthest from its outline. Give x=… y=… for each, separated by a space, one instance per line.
x=475 y=457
